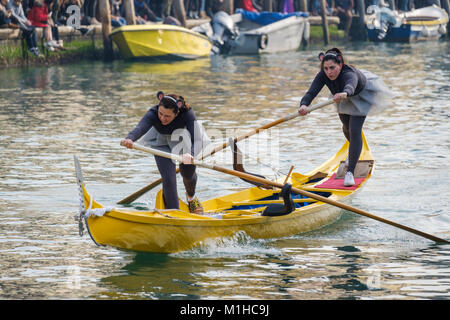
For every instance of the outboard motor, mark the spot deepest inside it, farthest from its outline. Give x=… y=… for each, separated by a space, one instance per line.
x=224 y=32
x=277 y=209
x=385 y=19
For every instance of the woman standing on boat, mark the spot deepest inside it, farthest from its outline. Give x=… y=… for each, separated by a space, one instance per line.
x=171 y=126
x=357 y=93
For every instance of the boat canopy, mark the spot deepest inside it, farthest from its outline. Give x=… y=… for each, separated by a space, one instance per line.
x=264 y=18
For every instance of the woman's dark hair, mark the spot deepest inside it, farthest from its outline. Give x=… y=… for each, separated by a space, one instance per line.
x=333 y=54
x=172 y=101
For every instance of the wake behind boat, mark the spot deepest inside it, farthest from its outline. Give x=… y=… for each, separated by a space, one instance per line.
x=257 y=212
x=160 y=41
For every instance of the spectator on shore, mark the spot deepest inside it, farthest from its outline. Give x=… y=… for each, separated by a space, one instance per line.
x=192 y=8
x=248 y=5
x=202 y=9
x=143 y=12
x=172 y=21
x=117 y=19
x=404 y=5
x=38 y=16
x=54 y=8
x=5 y=16
x=29 y=32
x=166 y=7
x=344 y=11
x=314 y=7
x=88 y=13
x=63 y=15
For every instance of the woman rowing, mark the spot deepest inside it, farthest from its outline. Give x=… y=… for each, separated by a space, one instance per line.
x=171 y=126
x=357 y=93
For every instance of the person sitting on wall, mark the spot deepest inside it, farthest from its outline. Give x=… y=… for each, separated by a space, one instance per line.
x=247 y=5
x=343 y=10
x=54 y=8
x=143 y=12
x=38 y=16
x=117 y=19
x=5 y=16
x=28 y=31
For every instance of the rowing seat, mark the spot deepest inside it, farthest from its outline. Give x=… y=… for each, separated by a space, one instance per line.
x=281 y=209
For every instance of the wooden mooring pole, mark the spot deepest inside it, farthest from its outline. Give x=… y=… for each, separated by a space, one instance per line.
x=446 y=6
x=302 y=5
x=228 y=6
x=105 y=14
x=179 y=11
x=362 y=33
x=268 y=5
x=129 y=12
x=326 y=34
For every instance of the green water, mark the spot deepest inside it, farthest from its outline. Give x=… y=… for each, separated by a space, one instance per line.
x=48 y=114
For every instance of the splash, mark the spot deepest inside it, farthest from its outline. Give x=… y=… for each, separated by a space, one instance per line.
x=238 y=245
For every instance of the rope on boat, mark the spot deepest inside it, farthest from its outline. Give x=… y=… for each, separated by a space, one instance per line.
x=85 y=214
x=277 y=172
x=98 y=212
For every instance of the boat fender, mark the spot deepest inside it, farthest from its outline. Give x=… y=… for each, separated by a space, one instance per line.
x=278 y=209
x=263 y=40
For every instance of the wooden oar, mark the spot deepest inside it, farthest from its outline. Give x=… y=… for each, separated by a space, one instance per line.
x=295 y=190
x=149 y=187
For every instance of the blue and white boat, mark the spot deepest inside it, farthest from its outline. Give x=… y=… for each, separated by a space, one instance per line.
x=384 y=24
x=254 y=33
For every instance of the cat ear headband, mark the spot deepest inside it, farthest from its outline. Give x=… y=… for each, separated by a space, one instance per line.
x=179 y=103
x=336 y=56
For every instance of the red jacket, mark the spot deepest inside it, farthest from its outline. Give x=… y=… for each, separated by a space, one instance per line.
x=248 y=5
x=38 y=16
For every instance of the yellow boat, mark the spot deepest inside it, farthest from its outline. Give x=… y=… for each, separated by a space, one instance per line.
x=160 y=41
x=166 y=231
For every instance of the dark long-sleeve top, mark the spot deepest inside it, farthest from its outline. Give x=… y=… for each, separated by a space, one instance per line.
x=350 y=81
x=184 y=119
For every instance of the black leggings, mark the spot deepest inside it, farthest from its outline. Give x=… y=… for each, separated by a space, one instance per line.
x=167 y=169
x=352 y=127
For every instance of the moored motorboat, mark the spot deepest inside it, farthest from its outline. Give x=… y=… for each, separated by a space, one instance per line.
x=167 y=230
x=160 y=41
x=247 y=32
x=384 y=24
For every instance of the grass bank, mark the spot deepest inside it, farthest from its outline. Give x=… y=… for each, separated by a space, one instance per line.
x=316 y=34
x=16 y=55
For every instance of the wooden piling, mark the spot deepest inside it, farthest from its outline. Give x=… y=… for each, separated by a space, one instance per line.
x=105 y=14
x=302 y=5
x=446 y=6
x=228 y=6
x=130 y=16
x=362 y=33
x=326 y=34
x=179 y=11
x=268 y=5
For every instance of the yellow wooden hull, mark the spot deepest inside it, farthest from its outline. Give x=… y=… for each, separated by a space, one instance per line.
x=167 y=231
x=160 y=41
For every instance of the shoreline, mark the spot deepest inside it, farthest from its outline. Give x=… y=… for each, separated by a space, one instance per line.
x=16 y=54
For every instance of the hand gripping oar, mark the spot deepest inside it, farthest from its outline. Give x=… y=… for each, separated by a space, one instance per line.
x=149 y=187
x=295 y=190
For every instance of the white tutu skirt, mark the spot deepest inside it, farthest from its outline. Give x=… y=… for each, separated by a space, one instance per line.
x=179 y=142
x=373 y=99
